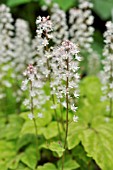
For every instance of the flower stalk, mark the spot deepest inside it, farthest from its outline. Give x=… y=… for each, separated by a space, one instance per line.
x=34 y=121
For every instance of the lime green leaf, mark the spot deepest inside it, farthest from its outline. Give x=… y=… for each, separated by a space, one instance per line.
x=90 y=87
x=21 y=166
x=73 y=136
x=29 y=157
x=106 y=7
x=98 y=148
x=69 y=164
x=96 y=139
x=47 y=166
x=25 y=140
x=7 y=149
x=90 y=95
x=17 y=2
x=75 y=130
x=3 y=165
x=28 y=127
x=13 y=164
x=40 y=121
x=55 y=147
x=13 y=127
x=51 y=130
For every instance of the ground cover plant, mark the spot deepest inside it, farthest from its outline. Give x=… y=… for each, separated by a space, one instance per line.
x=56 y=86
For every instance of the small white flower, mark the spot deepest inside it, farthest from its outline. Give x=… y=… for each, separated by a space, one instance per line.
x=53 y=107
x=75 y=118
x=40 y=115
x=103 y=98
x=73 y=108
x=107 y=108
x=33 y=94
x=78 y=58
x=30 y=116
x=111 y=85
x=26 y=102
x=45 y=42
x=107 y=119
x=64 y=104
x=76 y=94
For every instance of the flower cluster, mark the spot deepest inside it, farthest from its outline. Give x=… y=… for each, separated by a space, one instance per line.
x=78 y=28
x=65 y=77
x=107 y=80
x=33 y=85
x=44 y=28
x=94 y=63
x=6 y=45
x=15 y=52
x=22 y=53
x=58 y=18
x=80 y=21
x=22 y=43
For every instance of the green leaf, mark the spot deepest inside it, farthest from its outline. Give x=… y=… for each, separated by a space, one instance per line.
x=22 y=166
x=47 y=166
x=90 y=87
x=74 y=134
x=40 y=121
x=17 y=2
x=89 y=102
x=7 y=150
x=79 y=154
x=96 y=138
x=55 y=147
x=29 y=157
x=3 y=165
x=13 y=127
x=13 y=164
x=106 y=7
x=28 y=127
x=51 y=130
x=75 y=130
x=96 y=149
x=65 y=4
x=25 y=140
x=69 y=164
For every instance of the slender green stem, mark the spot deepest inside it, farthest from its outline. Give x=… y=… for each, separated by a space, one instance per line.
x=53 y=100
x=67 y=105
x=67 y=109
x=35 y=125
x=111 y=107
x=111 y=100
x=62 y=121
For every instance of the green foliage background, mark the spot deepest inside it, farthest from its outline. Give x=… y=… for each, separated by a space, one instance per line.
x=90 y=140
